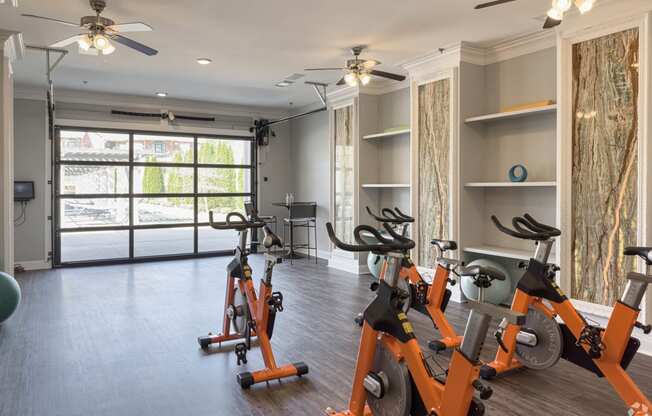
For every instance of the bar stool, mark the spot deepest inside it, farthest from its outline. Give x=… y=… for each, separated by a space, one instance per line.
x=302 y=215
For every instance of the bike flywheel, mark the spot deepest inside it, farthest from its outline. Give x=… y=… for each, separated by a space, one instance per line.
x=548 y=345
x=397 y=397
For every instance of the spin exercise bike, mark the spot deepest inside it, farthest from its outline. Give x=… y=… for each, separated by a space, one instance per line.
x=247 y=314
x=392 y=376
x=430 y=299
x=542 y=341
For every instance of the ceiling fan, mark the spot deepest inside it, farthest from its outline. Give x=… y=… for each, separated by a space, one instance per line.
x=359 y=71
x=100 y=31
x=556 y=13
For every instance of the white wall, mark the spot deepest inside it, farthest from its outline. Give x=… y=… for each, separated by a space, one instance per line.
x=32 y=160
x=311 y=169
x=30 y=164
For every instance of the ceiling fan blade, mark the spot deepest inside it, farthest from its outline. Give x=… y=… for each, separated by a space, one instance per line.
x=134 y=45
x=341 y=82
x=130 y=27
x=66 y=42
x=389 y=75
x=550 y=23
x=63 y=22
x=324 y=69
x=370 y=63
x=492 y=3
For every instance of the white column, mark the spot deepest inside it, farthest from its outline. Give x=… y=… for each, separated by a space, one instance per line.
x=10 y=48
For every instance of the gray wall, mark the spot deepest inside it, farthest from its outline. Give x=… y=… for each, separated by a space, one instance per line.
x=311 y=168
x=30 y=153
x=521 y=80
x=275 y=163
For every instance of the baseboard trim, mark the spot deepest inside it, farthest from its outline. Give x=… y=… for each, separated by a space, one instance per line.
x=321 y=254
x=349 y=265
x=34 y=265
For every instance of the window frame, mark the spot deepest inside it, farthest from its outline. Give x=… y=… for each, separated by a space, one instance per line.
x=58 y=195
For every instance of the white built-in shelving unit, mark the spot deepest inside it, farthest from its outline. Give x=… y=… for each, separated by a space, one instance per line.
x=389 y=134
x=491 y=142
x=512 y=114
x=386 y=185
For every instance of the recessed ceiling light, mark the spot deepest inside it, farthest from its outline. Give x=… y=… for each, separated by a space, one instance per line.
x=204 y=61
x=162 y=94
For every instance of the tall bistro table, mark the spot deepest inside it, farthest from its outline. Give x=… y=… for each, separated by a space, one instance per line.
x=292 y=254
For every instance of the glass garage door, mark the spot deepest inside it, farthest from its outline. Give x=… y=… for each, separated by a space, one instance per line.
x=122 y=196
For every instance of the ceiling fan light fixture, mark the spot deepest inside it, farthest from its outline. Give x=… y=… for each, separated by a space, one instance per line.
x=204 y=61
x=365 y=78
x=584 y=6
x=555 y=14
x=85 y=42
x=108 y=50
x=351 y=79
x=101 y=42
x=562 y=5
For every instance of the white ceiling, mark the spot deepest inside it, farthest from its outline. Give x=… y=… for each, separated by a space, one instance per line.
x=255 y=43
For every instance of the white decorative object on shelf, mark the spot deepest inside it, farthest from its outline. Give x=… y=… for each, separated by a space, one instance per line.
x=385 y=185
x=513 y=114
x=387 y=134
x=510 y=184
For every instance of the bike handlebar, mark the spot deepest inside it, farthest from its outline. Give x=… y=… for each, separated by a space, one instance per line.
x=522 y=234
x=390 y=216
x=384 y=245
x=240 y=225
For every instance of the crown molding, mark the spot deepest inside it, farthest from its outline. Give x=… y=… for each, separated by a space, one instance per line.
x=341 y=95
x=520 y=45
x=32 y=92
x=11 y=42
x=385 y=87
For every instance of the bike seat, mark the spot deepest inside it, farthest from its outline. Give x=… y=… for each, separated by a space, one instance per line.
x=444 y=245
x=643 y=252
x=477 y=271
x=271 y=240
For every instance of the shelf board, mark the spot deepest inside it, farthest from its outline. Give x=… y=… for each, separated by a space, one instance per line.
x=510 y=184
x=513 y=114
x=509 y=253
x=385 y=185
x=387 y=134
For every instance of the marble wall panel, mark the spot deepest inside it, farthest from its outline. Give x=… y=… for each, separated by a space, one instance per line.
x=433 y=193
x=344 y=179
x=604 y=170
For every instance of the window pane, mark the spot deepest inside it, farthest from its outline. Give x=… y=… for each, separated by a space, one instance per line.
x=220 y=206
x=94 y=179
x=164 y=241
x=211 y=239
x=96 y=245
x=163 y=149
x=223 y=152
x=159 y=180
x=163 y=210
x=94 y=146
x=76 y=213
x=224 y=180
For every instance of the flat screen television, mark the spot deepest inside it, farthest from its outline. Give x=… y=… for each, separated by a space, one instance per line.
x=23 y=191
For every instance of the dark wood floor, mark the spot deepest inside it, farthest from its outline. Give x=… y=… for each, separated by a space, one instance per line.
x=121 y=340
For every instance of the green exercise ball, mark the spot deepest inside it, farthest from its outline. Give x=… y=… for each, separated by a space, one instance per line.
x=374 y=263
x=9 y=296
x=500 y=291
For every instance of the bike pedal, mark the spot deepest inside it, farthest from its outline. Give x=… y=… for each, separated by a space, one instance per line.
x=241 y=353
